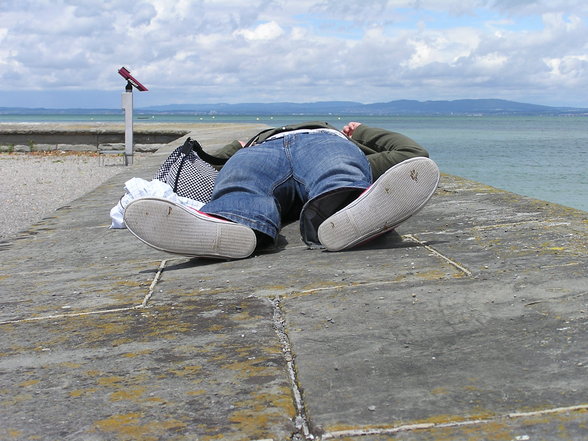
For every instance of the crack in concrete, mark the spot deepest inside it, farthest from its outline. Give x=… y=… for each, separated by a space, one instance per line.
x=154 y=283
x=432 y=250
x=301 y=421
x=142 y=305
x=71 y=314
x=455 y=424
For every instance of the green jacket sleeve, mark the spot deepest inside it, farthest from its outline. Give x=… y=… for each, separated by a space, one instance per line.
x=384 y=149
x=220 y=156
x=229 y=150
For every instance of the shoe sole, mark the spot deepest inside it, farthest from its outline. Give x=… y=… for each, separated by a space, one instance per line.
x=176 y=229
x=397 y=195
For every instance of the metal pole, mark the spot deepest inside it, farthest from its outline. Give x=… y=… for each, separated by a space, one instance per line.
x=127 y=105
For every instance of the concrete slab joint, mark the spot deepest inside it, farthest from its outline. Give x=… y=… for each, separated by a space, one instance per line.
x=301 y=421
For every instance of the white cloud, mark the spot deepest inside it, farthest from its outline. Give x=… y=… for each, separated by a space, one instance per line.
x=273 y=50
x=442 y=47
x=568 y=71
x=265 y=31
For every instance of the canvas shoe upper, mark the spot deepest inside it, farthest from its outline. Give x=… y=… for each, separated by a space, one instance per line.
x=395 y=196
x=177 y=229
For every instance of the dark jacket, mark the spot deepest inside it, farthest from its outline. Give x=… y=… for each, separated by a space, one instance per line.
x=383 y=148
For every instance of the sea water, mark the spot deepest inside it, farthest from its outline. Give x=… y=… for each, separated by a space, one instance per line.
x=544 y=157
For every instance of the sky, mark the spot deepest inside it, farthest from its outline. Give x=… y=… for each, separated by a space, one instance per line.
x=66 y=53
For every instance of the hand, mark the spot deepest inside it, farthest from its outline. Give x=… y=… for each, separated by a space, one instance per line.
x=350 y=128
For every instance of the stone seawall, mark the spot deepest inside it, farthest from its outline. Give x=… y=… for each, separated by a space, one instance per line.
x=85 y=137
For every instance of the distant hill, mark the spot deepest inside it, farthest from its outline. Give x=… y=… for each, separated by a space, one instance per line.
x=399 y=107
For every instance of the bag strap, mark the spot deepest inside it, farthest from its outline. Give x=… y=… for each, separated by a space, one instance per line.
x=186 y=149
x=213 y=160
x=189 y=145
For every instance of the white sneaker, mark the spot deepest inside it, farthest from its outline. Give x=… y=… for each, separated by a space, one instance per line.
x=395 y=196
x=177 y=229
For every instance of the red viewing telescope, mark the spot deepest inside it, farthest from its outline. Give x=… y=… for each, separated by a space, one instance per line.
x=132 y=81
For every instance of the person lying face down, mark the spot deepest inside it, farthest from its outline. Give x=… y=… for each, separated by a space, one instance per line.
x=345 y=187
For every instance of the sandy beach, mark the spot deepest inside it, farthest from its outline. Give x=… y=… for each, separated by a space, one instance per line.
x=32 y=186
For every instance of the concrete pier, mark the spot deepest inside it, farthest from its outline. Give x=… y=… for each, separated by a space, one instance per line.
x=467 y=323
x=86 y=136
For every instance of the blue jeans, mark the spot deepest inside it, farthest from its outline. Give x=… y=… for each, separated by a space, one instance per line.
x=303 y=175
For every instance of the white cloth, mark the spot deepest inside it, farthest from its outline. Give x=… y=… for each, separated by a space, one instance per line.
x=137 y=188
